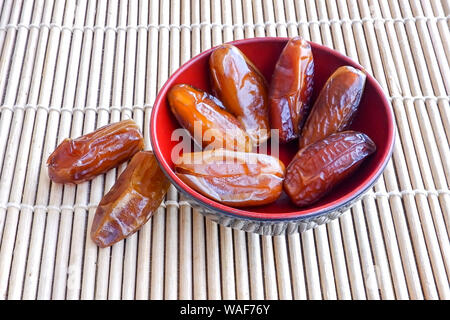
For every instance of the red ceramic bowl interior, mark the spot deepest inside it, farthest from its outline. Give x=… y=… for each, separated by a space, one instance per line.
x=374 y=118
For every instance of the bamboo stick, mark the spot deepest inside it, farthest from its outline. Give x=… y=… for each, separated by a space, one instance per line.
x=142 y=117
x=185 y=242
x=18 y=94
x=171 y=279
x=198 y=221
x=157 y=270
x=117 y=251
x=80 y=125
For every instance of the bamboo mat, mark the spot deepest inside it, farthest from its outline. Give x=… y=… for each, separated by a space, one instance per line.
x=67 y=68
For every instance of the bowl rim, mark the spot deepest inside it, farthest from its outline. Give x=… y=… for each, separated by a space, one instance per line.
x=272 y=216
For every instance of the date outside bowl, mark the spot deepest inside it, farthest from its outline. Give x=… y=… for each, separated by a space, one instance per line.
x=374 y=118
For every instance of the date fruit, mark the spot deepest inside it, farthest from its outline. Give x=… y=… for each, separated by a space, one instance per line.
x=219 y=128
x=132 y=200
x=336 y=105
x=233 y=178
x=291 y=88
x=320 y=166
x=242 y=89
x=81 y=159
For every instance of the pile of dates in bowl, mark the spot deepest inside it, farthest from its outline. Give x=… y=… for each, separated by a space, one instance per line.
x=268 y=135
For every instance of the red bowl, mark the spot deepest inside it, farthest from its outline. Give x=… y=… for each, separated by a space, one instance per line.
x=374 y=118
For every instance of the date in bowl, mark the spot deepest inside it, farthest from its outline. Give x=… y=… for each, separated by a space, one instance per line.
x=374 y=118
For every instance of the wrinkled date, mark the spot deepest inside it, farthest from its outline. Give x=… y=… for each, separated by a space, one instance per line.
x=81 y=159
x=219 y=129
x=291 y=88
x=233 y=178
x=335 y=106
x=242 y=89
x=131 y=201
x=321 y=165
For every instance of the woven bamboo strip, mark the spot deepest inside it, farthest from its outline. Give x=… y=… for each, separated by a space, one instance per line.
x=95 y=191
x=80 y=125
x=144 y=244
x=268 y=261
x=158 y=241
x=6 y=10
x=248 y=18
x=146 y=14
x=198 y=221
x=117 y=251
x=8 y=45
x=241 y=265
x=255 y=267
x=171 y=264
x=237 y=19
x=297 y=270
x=185 y=238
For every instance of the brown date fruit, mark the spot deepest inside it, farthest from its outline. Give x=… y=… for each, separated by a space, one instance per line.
x=336 y=105
x=320 y=166
x=233 y=178
x=291 y=88
x=242 y=89
x=132 y=200
x=81 y=159
x=191 y=106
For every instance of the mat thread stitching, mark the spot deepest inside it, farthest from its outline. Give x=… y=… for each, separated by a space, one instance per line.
x=148 y=106
x=167 y=203
x=192 y=26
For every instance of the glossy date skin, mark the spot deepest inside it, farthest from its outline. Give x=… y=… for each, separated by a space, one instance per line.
x=242 y=89
x=336 y=105
x=291 y=88
x=317 y=168
x=132 y=200
x=219 y=128
x=236 y=179
x=81 y=159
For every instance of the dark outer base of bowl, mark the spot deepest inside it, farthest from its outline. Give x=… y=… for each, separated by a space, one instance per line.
x=271 y=227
